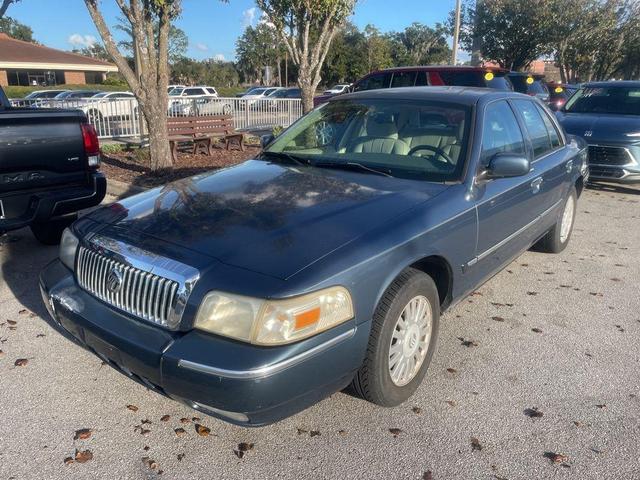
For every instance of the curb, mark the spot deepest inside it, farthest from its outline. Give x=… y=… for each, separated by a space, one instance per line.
x=120 y=189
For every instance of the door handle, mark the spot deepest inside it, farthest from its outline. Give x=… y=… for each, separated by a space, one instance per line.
x=536 y=184
x=569 y=166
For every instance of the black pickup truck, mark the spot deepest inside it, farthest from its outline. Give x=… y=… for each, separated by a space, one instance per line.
x=49 y=162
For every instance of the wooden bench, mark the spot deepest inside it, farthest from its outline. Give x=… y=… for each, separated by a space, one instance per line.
x=201 y=131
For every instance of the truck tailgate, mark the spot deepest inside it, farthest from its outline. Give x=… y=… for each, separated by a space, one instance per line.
x=41 y=148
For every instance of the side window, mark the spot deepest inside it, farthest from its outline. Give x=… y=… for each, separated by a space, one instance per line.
x=554 y=136
x=535 y=126
x=501 y=132
x=403 y=79
x=421 y=80
x=380 y=80
x=193 y=92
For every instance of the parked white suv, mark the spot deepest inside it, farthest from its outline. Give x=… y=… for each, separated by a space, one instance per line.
x=198 y=100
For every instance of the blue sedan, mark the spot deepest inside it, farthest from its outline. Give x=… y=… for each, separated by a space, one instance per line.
x=255 y=291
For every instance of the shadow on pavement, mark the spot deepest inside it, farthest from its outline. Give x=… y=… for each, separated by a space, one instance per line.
x=615 y=188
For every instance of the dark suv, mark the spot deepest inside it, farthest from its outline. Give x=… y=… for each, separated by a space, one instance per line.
x=436 y=75
x=529 y=84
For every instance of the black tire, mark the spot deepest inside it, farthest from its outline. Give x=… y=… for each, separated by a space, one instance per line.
x=49 y=233
x=373 y=381
x=554 y=241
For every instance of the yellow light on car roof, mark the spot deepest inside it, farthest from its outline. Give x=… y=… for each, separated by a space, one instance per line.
x=559 y=90
x=488 y=76
x=529 y=80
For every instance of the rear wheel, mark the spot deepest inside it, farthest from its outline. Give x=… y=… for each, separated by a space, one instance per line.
x=49 y=233
x=402 y=341
x=557 y=239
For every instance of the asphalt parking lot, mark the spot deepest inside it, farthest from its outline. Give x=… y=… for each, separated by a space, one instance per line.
x=537 y=375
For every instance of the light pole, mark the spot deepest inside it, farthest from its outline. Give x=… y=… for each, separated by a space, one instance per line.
x=456 y=34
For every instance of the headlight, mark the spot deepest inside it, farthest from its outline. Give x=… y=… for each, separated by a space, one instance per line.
x=68 y=247
x=274 y=322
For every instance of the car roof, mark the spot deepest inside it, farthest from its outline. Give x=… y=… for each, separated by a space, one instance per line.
x=463 y=68
x=612 y=83
x=462 y=95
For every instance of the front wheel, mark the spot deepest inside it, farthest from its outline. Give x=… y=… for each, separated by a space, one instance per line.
x=404 y=332
x=557 y=239
x=50 y=232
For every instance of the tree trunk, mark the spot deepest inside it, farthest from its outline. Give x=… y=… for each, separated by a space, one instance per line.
x=158 y=136
x=307 y=92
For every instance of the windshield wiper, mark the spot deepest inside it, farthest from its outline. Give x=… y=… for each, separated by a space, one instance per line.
x=354 y=165
x=287 y=156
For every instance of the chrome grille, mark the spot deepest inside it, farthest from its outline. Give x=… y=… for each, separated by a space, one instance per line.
x=606 y=155
x=141 y=293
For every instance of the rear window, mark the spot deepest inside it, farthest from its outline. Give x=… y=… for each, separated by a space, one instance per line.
x=520 y=85
x=475 y=78
x=373 y=82
x=403 y=79
x=499 y=82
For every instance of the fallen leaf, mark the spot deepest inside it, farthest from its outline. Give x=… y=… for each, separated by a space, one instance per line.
x=68 y=460
x=149 y=463
x=601 y=405
x=395 y=432
x=196 y=419
x=82 y=434
x=180 y=456
x=145 y=422
x=475 y=444
x=427 y=475
x=180 y=432
x=467 y=343
x=40 y=335
x=11 y=322
x=314 y=433
x=1 y=353
x=83 y=456
x=532 y=293
x=451 y=403
x=497 y=319
x=21 y=362
x=533 y=412
x=202 y=430
x=342 y=433
x=133 y=408
x=144 y=432
x=23 y=312
x=536 y=330
x=614 y=279
x=165 y=418
x=452 y=370
x=556 y=457
x=417 y=410
x=145 y=448
x=185 y=420
x=301 y=431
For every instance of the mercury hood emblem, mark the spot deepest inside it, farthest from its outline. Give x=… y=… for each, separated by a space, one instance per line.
x=114 y=280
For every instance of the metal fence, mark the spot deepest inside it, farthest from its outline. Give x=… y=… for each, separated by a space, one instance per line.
x=119 y=117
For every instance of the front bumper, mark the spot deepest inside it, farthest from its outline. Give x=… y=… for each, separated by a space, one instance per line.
x=237 y=382
x=46 y=204
x=608 y=173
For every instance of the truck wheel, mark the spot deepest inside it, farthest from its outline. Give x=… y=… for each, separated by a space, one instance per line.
x=404 y=332
x=49 y=233
x=557 y=239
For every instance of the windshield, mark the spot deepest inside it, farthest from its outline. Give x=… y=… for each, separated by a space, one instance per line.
x=612 y=100
x=100 y=95
x=176 y=92
x=418 y=139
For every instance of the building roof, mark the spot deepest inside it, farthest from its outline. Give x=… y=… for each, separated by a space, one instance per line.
x=20 y=54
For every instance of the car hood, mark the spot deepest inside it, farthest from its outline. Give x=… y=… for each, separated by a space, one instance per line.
x=266 y=217
x=604 y=128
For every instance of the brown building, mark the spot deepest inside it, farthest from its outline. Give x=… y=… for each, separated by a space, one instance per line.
x=24 y=63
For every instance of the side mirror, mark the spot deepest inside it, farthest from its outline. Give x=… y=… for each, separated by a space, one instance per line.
x=266 y=140
x=507 y=165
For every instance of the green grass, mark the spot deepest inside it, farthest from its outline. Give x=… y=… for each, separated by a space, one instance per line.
x=21 y=92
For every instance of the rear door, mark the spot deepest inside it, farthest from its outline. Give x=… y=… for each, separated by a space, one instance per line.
x=551 y=162
x=506 y=206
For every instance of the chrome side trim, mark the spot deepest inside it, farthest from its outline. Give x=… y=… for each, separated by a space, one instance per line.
x=269 y=369
x=502 y=243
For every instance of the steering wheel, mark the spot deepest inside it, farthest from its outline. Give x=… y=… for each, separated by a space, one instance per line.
x=324 y=133
x=438 y=151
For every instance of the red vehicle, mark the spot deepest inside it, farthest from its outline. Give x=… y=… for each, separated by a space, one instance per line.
x=422 y=76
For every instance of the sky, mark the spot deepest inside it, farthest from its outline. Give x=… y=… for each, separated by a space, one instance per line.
x=211 y=25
